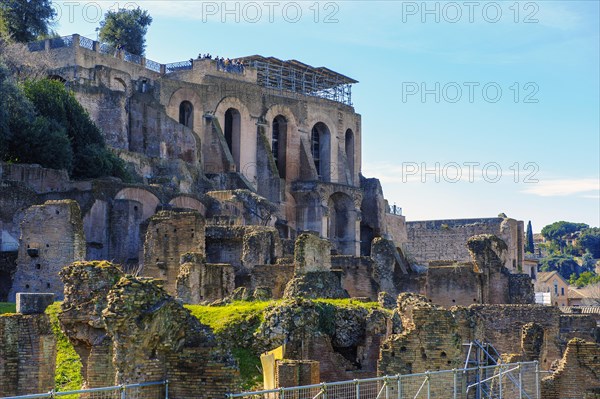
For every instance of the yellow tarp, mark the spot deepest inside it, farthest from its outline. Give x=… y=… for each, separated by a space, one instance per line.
x=268 y=365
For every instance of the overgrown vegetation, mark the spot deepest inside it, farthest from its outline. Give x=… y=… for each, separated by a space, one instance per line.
x=68 y=365
x=237 y=322
x=42 y=122
x=7 y=307
x=571 y=250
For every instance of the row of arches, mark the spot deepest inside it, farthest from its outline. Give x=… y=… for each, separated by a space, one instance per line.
x=320 y=141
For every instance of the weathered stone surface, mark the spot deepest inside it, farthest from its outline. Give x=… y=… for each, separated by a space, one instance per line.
x=33 y=303
x=294 y=373
x=430 y=339
x=128 y=329
x=198 y=281
x=344 y=340
x=577 y=375
x=316 y=285
x=169 y=235
x=27 y=354
x=243 y=247
x=311 y=254
x=435 y=240
x=51 y=237
x=532 y=340
x=386 y=300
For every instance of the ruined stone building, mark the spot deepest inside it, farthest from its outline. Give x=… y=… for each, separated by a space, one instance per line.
x=231 y=165
x=248 y=185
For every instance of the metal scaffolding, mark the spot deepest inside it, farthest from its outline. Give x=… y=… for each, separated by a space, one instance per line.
x=298 y=77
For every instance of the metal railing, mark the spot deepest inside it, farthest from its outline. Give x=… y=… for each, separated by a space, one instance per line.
x=178 y=66
x=504 y=381
x=145 y=390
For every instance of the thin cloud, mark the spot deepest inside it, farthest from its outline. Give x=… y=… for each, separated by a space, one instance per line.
x=563 y=187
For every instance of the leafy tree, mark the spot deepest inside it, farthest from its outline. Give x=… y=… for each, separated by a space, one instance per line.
x=529 y=247
x=91 y=158
x=25 y=136
x=126 y=28
x=26 y=20
x=44 y=142
x=558 y=230
x=589 y=240
x=565 y=265
x=585 y=278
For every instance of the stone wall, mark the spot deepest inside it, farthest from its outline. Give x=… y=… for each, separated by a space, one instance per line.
x=130 y=330
x=243 y=247
x=198 y=281
x=27 y=354
x=430 y=339
x=169 y=235
x=453 y=284
x=274 y=277
x=294 y=373
x=500 y=324
x=357 y=275
x=577 y=375
x=38 y=179
x=51 y=237
x=345 y=341
x=445 y=239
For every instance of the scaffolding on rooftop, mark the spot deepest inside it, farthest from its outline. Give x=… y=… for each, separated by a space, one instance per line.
x=301 y=78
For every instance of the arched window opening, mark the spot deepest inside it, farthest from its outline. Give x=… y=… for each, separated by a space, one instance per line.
x=278 y=143
x=349 y=148
x=320 y=148
x=342 y=223
x=186 y=114
x=232 y=133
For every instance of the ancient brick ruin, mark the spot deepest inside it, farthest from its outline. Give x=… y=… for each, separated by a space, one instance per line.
x=129 y=330
x=245 y=191
x=27 y=349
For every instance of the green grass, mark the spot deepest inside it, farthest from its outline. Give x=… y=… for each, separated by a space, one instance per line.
x=7 y=307
x=68 y=365
x=235 y=323
x=349 y=303
x=220 y=318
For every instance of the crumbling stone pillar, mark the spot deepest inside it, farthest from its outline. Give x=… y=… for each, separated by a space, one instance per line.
x=198 y=281
x=313 y=277
x=27 y=350
x=293 y=373
x=51 y=237
x=169 y=235
x=498 y=286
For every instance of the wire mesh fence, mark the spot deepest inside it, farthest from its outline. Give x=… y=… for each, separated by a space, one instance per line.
x=504 y=381
x=147 y=390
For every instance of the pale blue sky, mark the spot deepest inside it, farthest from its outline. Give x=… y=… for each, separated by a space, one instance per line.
x=550 y=49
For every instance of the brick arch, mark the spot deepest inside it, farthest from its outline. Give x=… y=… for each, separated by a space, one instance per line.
x=246 y=163
x=292 y=143
x=185 y=94
x=321 y=117
x=148 y=200
x=187 y=202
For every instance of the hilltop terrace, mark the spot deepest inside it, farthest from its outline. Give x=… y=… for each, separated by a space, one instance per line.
x=269 y=72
